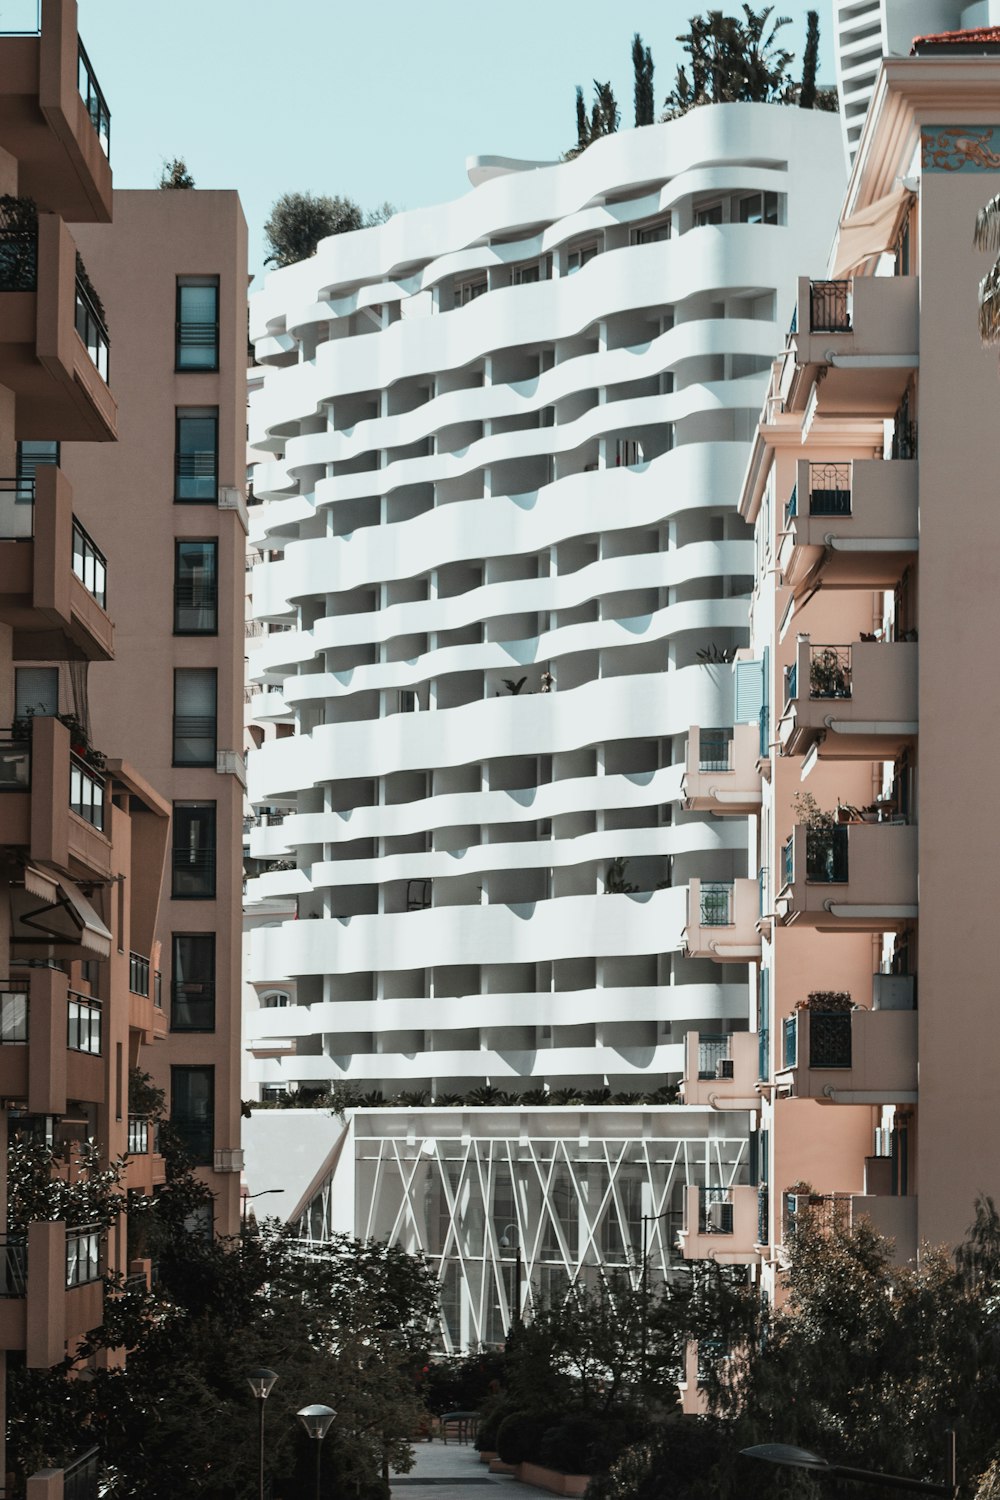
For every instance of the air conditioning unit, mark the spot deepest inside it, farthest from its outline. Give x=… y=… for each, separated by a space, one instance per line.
x=724 y=1068
x=892 y=992
x=719 y=1218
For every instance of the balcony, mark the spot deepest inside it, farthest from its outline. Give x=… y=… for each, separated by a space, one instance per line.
x=863 y=335
x=52 y=804
x=860 y=877
x=849 y=525
x=51 y=1047
x=53 y=577
x=720 y=1071
x=851 y=1057
x=53 y=340
x=720 y=1224
x=890 y=1215
x=721 y=920
x=54 y=118
x=854 y=702
x=50 y=1290
x=721 y=773
x=145 y=1168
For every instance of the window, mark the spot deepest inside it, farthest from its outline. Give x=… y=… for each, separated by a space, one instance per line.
x=33 y=456
x=197 y=323
x=710 y=214
x=579 y=257
x=278 y=1001
x=758 y=208
x=36 y=692
x=649 y=234
x=196 y=455
x=194 y=716
x=196 y=588
x=194 y=851
x=192 y=992
x=192 y=1111
x=468 y=291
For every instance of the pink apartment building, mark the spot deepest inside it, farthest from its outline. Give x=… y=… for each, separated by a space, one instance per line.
x=872 y=1079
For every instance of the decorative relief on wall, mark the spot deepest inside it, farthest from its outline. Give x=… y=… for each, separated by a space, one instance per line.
x=949 y=148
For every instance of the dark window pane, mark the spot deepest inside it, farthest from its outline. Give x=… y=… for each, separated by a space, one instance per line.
x=192 y=995
x=194 y=716
x=196 y=588
x=194 y=850
x=192 y=1110
x=196 y=457
x=197 y=326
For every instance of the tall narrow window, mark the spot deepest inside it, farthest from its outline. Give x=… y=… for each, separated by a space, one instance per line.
x=196 y=588
x=194 y=851
x=194 y=716
x=197 y=323
x=196 y=454
x=192 y=1111
x=192 y=989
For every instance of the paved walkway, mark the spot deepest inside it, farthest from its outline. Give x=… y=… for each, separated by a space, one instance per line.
x=450 y=1471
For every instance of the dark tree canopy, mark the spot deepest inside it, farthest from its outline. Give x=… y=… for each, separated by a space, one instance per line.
x=810 y=59
x=298 y=221
x=175 y=174
x=642 y=66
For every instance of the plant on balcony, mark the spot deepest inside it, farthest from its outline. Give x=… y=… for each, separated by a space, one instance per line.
x=615 y=883
x=830 y=1002
x=18 y=244
x=827 y=675
x=88 y=286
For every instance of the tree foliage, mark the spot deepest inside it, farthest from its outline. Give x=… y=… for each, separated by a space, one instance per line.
x=298 y=221
x=604 y=117
x=810 y=60
x=731 y=60
x=642 y=67
x=175 y=174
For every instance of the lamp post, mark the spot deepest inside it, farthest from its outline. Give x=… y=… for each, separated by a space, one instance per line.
x=316 y=1420
x=261 y=1382
x=247 y=1197
x=787 y=1457
x=647 y=1219
x=505 y=1244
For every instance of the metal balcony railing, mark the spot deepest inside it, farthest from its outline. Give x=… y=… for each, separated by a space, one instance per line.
x=714 y=747
x=138 y=1135
x=192 y=1005
x=17 y=501
x=830 y=307
x=830 y=671
x=86 y=792
x=83 y=1255
x=90 y=565
x=84 y=1023
x=829 y=1039
x=13 y=1017
x=826 y=855
x=93 y=97
x=13 y=1265
x=830 y=489
x=91 y=328
x=193 y=870
x=715 y=1211
x=711 y=1050
x=195 y=1138
x=138 y=974
x=15 y=762
x=716 y=903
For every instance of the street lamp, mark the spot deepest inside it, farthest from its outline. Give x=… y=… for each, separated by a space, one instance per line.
x=261 y=1382
x=505 y=1244
x=786 y=1457
x=647 y=1219
x=247 y=1197
x=316 y=1420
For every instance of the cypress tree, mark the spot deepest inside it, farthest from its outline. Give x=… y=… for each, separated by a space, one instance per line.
x=810 y=58
x=642 y=63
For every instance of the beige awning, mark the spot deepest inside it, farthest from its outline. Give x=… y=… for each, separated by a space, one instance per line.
x=870 y=232
x=65 y=916
x=39 y=883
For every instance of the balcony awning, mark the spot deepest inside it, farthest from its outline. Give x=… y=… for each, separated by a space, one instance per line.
x=870 y=232
x=64 y=917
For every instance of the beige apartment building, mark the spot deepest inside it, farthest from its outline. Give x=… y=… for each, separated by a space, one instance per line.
x=170 y=496
x=872 y=1080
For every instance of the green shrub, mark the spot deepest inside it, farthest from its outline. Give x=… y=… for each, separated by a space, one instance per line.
x=494 y=1412
x=587 y=1442
x=520 y=1435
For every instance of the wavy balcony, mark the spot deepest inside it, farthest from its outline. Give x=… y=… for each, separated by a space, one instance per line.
x=863 y=335
x=53 y=576
x=721 y=1071
x=858 y=877
x=54 y=119
x=720 y=1224
x=721 y=772
x=851 y=1057
x=53 y=341
x=849 y=525
x=853 y=702
x=722 y=917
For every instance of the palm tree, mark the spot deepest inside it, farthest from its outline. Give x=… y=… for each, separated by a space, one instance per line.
x=987 y=237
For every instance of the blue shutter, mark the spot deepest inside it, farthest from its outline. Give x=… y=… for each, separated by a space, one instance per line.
x=749 y=691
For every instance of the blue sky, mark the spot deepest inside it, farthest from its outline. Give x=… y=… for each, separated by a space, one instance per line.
x=373 y=100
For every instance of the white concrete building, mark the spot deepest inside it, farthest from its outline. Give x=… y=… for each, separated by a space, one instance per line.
x=508 y=436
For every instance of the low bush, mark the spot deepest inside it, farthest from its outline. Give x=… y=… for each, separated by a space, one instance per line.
x=587 y=1442
x=490 y=1417
x=520 y=1435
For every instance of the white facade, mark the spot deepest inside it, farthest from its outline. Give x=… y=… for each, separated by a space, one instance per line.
x=868 y=30
x=508 y=436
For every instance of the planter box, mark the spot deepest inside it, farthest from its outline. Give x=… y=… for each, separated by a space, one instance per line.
x=497 y=1466
x=485 y=1456
x=551 y=1480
